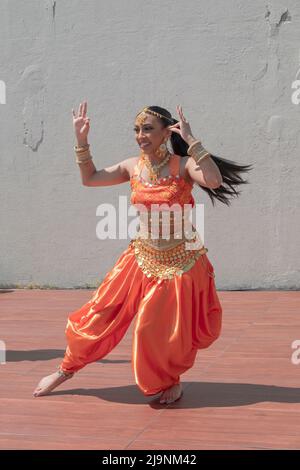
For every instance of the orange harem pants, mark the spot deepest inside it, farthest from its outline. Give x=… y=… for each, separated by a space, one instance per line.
x=174 y=318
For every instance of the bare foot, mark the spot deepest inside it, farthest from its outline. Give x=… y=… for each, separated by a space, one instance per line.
x=171 y=394
x=49 y=383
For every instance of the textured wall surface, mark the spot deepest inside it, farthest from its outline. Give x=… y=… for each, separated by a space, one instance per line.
x=231 y=65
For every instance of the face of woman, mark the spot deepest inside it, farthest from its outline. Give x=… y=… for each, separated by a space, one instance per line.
x=149 y=133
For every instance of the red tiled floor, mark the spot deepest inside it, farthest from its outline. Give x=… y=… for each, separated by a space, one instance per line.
x=242 y=393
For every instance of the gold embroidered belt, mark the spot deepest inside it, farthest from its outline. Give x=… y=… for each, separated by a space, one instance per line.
x=165 y=264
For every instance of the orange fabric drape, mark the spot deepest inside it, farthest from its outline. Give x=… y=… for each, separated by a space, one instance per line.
x=173 y=319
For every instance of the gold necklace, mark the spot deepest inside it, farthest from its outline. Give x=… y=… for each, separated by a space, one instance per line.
x=155 y=169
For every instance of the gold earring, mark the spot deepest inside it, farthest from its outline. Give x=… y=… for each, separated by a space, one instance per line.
x=163 y=146
x=162 y=149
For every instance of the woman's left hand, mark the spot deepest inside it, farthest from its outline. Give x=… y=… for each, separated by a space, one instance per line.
x=182 y=127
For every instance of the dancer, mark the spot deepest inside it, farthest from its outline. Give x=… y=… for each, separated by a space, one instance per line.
x=161 y=282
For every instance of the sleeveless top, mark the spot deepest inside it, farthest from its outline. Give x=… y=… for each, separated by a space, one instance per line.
x=169 y=190
x=172 y=189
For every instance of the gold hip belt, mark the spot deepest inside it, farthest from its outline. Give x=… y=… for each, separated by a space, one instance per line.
x=165 y=264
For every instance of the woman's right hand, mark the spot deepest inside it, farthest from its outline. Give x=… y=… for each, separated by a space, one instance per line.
x=81 y=124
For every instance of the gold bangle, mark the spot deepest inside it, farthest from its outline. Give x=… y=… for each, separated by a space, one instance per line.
x=88 y=157
x=83 y=154
x=201 y=158
x=83 y=161
x=197 y=151
x=82 y=151
x=197 y=142
x=83 y=158
x=197 y=147
x=81 y=148
x=198 y=155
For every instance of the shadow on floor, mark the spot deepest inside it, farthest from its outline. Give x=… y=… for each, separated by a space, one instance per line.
x=47 y=354
x=196 y=394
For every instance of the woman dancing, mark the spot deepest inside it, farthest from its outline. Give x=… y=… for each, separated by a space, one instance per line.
x=167 y=286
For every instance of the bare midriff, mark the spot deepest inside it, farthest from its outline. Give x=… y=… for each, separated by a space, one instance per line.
x=166 y=229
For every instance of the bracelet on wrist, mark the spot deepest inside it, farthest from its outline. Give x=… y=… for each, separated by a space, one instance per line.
x=81 y=161
x=81 y=148
x=83 y=154
x=201 y=158
x=197 y=151
x=194 y=145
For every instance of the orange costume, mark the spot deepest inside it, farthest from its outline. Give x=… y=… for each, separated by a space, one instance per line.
x=170 y=292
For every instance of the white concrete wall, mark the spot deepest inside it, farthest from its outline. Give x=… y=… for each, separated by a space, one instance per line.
x=229 y=63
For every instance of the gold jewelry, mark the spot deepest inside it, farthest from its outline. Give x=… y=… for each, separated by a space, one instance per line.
x=63 y=373
x=154 y=170
x=81 y=148
x=195 y=143
x=197 y=151
x=202 y=157
x=141 y=118
x=164 y=264
x=83 y=154
x=147 y=110
x=81 y=161
x=162 y=150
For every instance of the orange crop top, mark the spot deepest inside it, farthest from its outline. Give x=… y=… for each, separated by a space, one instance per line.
x=172 y=189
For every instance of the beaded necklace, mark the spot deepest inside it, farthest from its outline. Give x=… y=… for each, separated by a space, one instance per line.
x=154 y=170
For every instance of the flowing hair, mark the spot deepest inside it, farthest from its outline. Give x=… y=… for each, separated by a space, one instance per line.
x=229 y=169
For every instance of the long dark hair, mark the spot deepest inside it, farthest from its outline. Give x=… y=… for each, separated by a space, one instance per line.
x=229 y=170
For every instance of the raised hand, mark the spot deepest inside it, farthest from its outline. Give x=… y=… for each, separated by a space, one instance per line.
x=182 y=127
x=81 y=124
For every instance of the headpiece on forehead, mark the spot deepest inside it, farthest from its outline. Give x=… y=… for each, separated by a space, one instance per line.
x=147 y=110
